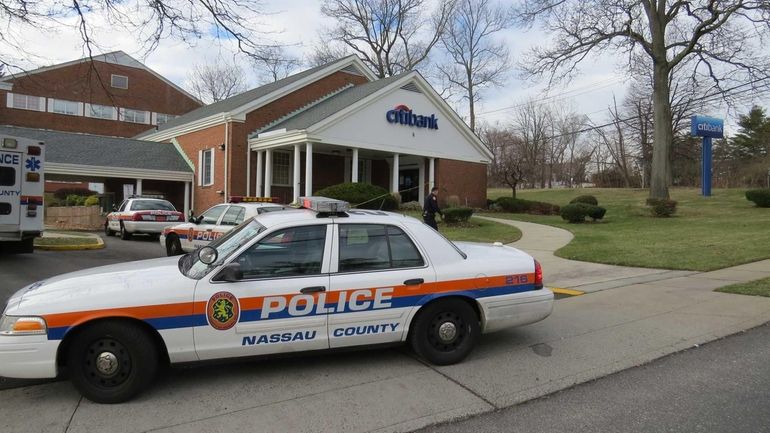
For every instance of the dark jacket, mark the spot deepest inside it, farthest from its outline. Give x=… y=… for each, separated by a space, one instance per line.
x=431 y=205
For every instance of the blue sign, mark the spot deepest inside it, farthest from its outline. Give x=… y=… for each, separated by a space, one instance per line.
x=703 y=126
x=33 y=164
x=404 y=116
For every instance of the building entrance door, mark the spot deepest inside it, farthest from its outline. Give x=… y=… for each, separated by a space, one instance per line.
x=408 y=182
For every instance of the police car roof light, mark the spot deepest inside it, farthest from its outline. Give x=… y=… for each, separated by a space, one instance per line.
x=324 y=205
x=243 y=199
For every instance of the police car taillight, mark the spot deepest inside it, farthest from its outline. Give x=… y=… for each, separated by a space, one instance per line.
x=538 y=275
x=324 y=205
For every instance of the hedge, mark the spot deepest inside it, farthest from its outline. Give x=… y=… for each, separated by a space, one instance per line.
x=760 y=197
x=517 y=205
x=577 y=212
x=454 y=215
x=661 y=207
x=62 y=193
x=587 y=199
x=361 y=195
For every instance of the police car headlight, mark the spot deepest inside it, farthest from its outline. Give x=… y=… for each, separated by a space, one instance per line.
x=22 y=325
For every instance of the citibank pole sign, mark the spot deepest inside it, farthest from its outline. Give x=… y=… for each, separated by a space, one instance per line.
x=708 y=128
x=403 y=115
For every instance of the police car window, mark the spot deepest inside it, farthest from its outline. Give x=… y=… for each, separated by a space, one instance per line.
x=366 y=247
x=122 y=206
x=152 y=205
x=212 y=215
x=7 y=176
x=233 y=216
x=291 y=252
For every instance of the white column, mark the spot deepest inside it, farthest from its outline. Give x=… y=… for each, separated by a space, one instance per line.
x=354 y=167
x=297 y=161
x=421 y=182
x=138 y=187
x=186 y=200
x=308 y=169
x=394 y=177
x=248 y=170
x=260 y=180
x=268 y=172
x=432 y=173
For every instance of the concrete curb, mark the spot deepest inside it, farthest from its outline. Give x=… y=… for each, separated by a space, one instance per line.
x=97 y=246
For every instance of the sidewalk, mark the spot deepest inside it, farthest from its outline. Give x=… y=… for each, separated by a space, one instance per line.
x=586 y=337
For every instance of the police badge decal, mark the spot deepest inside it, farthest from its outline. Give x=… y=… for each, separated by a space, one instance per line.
x=222 y=311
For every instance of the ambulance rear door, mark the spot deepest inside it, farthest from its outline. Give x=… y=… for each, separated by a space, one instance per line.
x=10 y=190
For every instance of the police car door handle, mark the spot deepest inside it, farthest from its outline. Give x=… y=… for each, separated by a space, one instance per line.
x=313 y=289
x=414 y=282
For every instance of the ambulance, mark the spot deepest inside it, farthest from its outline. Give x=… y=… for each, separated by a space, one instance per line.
x=324 y=277
x=21 y=193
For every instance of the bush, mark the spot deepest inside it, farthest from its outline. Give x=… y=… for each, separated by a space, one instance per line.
x=661 y=207
x=82 y=200
x=366 y=195
x=577 y=212
x=517 y=205
x=490 y=202
x=760 y=197
x=71 y=200
x=587 y=199
x=410 y=205
x=454 y=215
x=63 y=193
x=92 y=200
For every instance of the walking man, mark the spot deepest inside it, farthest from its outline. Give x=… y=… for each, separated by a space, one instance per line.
x=431 y=208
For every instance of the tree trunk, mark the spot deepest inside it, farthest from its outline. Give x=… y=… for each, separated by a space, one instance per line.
x=513 y=191
x=662 y=134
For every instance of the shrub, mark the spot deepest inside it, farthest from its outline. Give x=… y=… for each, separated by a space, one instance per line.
x=490 y=202
x=92 y=200
x=517 y=205
x=410 y=205
x=661 y=207
x=63 y=193
x=596 y=212
x=366 y=195
x=452 y=201
x=71 y=200
x=577 y=212
x=82 y=200
x=760 y=197
x=454 y=215
x=587 y=199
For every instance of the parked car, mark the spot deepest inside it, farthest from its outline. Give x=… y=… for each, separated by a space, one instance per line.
x=322 y=278
x=141 y=215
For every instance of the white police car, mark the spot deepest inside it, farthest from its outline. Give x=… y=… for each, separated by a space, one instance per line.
x=280 y=282
x=215 y=222
x=141 y=215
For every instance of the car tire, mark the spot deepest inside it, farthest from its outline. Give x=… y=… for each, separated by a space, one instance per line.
x=125 y=235
x=111 y=362
x=107 y=231
x=173 y=246
x=445 y=331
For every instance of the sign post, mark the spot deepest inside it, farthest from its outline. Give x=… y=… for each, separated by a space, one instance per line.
x=708 y=128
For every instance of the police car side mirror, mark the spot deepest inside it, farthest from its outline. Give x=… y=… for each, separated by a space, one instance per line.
x=231 y=273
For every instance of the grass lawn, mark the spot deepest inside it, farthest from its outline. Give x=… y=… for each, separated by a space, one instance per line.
x=476 y=231
x=705 y=234
x=66 y=238
x=753 y=288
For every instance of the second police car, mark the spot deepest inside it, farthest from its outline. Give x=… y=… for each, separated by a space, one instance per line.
x=213 y=223
x=141 y=215
x=316 y=279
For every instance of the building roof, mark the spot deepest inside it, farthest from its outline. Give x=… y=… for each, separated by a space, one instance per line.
x=103 y=151
x=327 y=107
x=114 y=57
x=240 y=100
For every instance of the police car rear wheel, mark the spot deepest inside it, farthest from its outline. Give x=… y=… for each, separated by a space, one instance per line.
x=124 y=234
x=445 y=332
x=173 y=246
x=107 y=231
x=112 y=362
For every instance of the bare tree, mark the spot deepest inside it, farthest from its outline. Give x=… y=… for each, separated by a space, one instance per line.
x=323 y=53
x=476 y=60
x=390 y=36
x=530 y=124
x=721 y=40
x=275 y=64
x=616 y=143
x=509 y=166
x=216 y=81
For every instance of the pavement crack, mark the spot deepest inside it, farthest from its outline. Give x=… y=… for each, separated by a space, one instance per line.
x=69 y=421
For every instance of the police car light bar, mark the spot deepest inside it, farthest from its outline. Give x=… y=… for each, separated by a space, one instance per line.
x=324 y=204
x=242 y=199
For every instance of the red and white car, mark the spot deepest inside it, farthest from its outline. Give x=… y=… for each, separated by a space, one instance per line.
x=141 y=215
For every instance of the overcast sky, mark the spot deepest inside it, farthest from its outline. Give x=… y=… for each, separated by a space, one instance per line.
x=296 y=24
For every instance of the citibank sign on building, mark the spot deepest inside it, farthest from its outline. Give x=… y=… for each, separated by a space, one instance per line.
x=403 y=115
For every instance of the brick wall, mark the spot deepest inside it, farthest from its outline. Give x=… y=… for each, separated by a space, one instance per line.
x=191 y=144
x=90 y=82
x=466 y=180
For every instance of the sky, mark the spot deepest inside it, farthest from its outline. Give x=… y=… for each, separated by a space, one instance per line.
x=296 y=25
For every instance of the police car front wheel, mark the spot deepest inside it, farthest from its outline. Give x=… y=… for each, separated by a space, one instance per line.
x=110 y=362
x=445 y=331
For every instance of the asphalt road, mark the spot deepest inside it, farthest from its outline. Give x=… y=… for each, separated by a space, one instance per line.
x=722 y=386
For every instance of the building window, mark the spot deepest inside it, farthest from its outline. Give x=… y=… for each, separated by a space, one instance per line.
x=100 y=111
x=281 y=168
x=161 y=118
x=61 y=106
x=26 y=102
x=206 y=167
x=134 y=116
x=119 y=81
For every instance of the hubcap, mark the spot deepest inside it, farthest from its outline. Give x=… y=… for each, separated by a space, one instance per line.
x=107 y=363
x=447 y=331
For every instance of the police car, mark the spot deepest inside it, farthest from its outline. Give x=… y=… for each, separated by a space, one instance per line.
x=214 y=223
x=141 y=215
x=322 y=278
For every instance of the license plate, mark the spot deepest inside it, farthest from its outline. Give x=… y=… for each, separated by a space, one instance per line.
x=160 y=218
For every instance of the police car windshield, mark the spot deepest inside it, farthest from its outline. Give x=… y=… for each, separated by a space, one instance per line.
x=226 y=245
x=152 y=205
